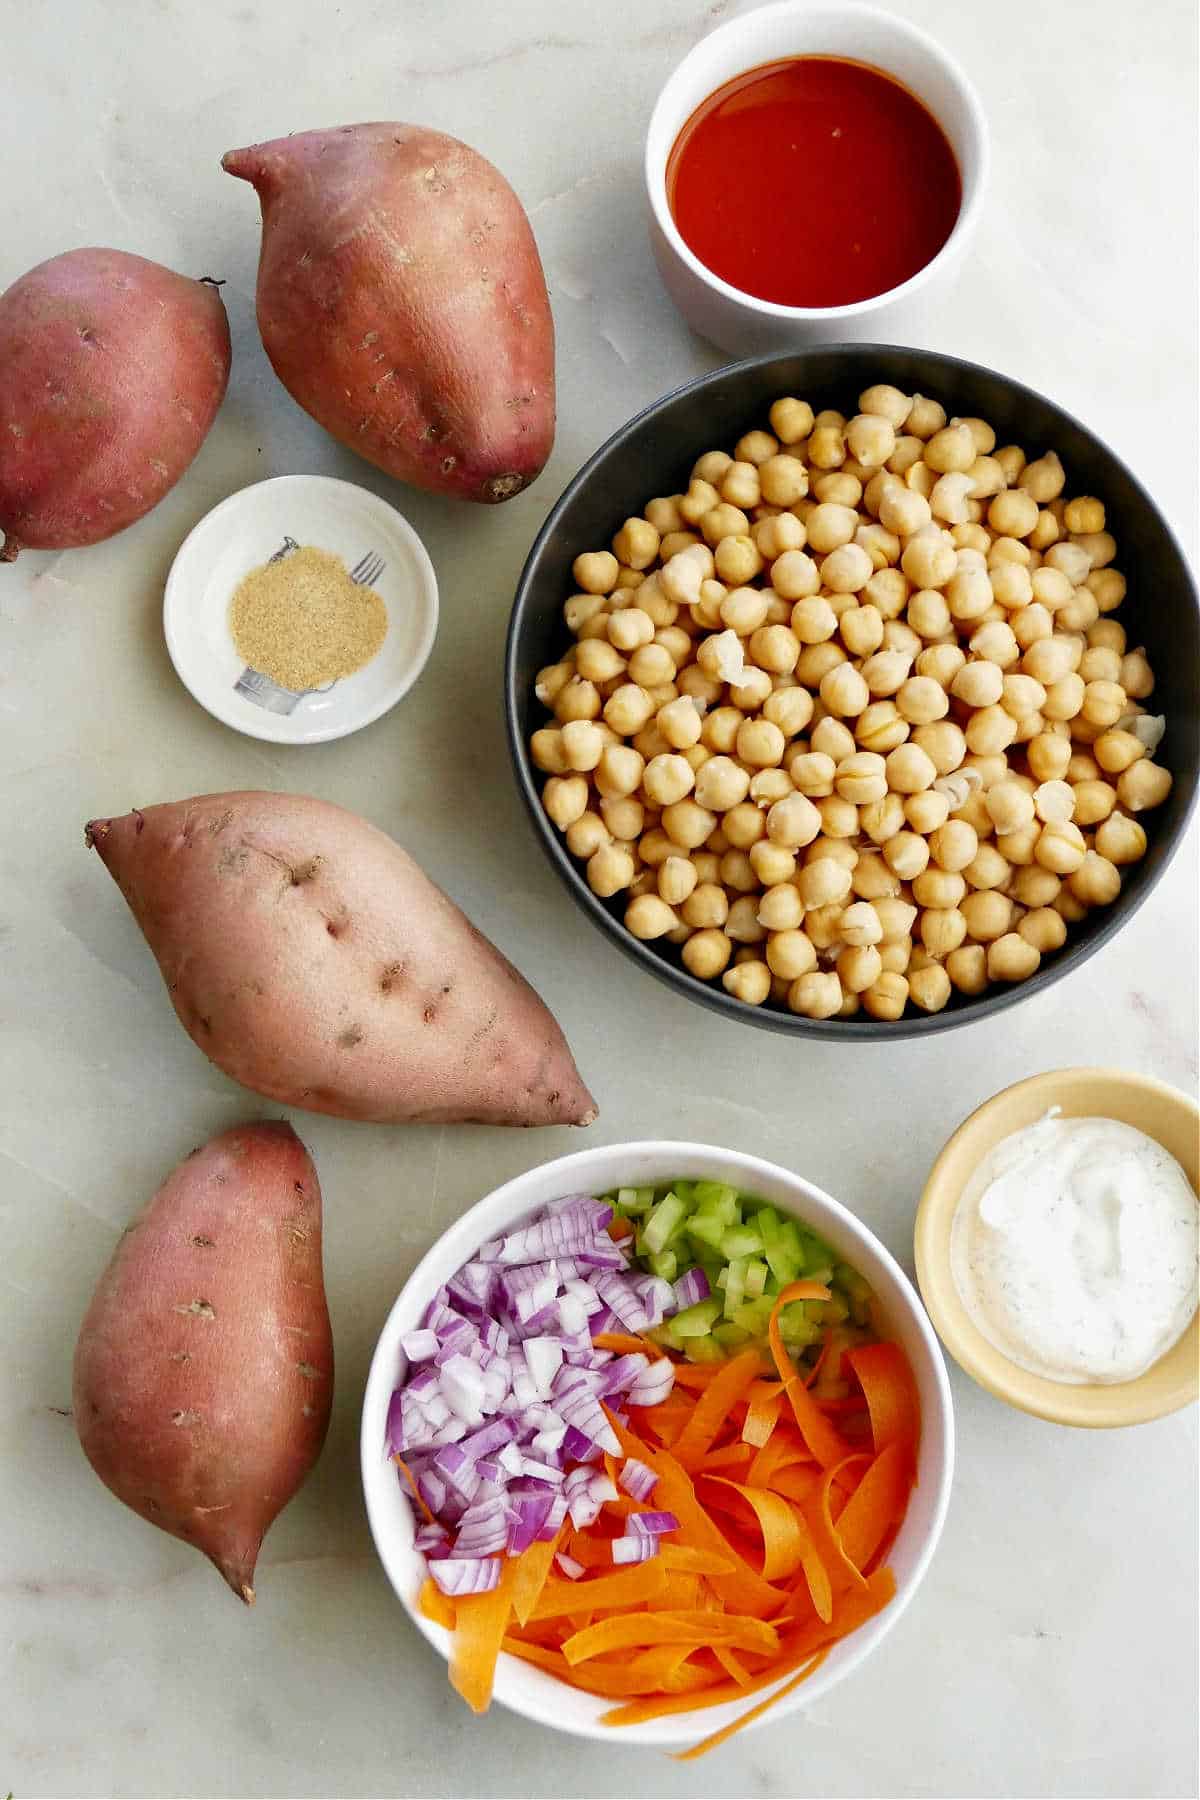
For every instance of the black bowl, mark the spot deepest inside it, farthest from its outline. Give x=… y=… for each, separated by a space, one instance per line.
x=653 y=454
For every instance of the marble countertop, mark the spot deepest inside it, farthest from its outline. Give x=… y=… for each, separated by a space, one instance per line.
x=1052 y=1649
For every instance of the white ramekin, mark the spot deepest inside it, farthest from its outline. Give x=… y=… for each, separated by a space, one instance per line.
x=738 y=322
x=529 y=1690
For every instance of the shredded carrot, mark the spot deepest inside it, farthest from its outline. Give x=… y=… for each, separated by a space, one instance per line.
x=842 y=1572
x=851 y=1611
x=629 y=1587
x=433 y=1603
x=781 y=1530
x=887 y=1381
x=820 y=1436
x=822 y=1358
x=481 y=1621
x=716 y=1738
x=416 y=1492
x=626 y=1344
x=691 y=1561
x=532 y=1568
x=636 y=1630
x=709 y=1413
x=729 y=1456
x=733 y=1667
x=619 y=1229
x=762 y=1416
x=876 y=1505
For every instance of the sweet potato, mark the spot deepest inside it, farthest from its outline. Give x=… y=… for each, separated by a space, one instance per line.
x=312 y=960
x=111 y=372
x=204 y=1366
x=402 y=303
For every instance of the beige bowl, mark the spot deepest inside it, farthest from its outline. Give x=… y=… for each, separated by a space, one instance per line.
x=1150 y=1106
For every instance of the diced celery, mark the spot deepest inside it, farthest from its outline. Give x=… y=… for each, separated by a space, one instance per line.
x=783 y=1265
x=686 y=1191
x=828 y=1312
x=663 y=1222
x=823 y=1275
x=666 y=1335
x=741 y=1240
x=795 y=1327
x=707 y=1229
x=735 y=1284
x=756 y=1277
x=731 y=1336
x=753 y=1316
x=716 y=1196
x=703 y=1350
x=635 y=1201
x=665 y=1265
x=722 y=1278
x=697 y=1321
x=766 y=1222
x=789 y=1240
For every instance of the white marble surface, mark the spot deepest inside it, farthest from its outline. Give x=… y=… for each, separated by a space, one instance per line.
x=1053 y=1647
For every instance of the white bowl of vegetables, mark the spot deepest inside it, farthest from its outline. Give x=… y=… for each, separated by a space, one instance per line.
x=656 y=1436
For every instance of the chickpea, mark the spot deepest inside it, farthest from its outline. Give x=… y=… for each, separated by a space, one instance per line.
x=1012 y=958
x=668 y=778
x=565 y=798
x=596 y=572
x=775 y=648
x=887 y=997
x=582 y=744
x=707 y=907
x=882 y=819
x=650 y=742
x=1044 y=928
x=738 y=559
x=929 y=987
x=823 y=883
x=680 y=722
x=1012 y=585
x=749 y=694
x=879 y=727
x=906 y=854
x=1121 y=840
x=909 y=768
x=793 y=822
x=1085 y=515
x=989 y=868
x=1103 y=704
x=578 y=699
x=1060 y=847
x=1117 y=750
x=651 y=666
x=783 y=479
x=610 y=868
x=794 y=576
x=920 y=479
x=887 y=591
x=1097 y=881
x=1137 y=677
x=740 y=485
x=989 y=914
x=1069 y=908
x=773 y=536
x=624 y=816
x=772 y=863
x=780 y=908
x=630 y=629
x=737 y=872
x=954 y=845
x=922 y=701
x=847 y=570
x=742 y=924
x=928 y=613
x=812 y=772
x=1144 y=784
x=950 y=498
x=548 y=751
x=1048 y=757
x=978 y=684
x=628 y=709
x=926 y=810
x=760 y=743
x=942 y=929
x=791 y=420
x=886 y=671
x=839 y=816
x=952 y=449
x=859 y=967
x=816 y=995
x=1034 y=886
x=990 y=730
x=1013 y=513
x=1098 y=663
x=830 y=737
x=827 y=447
x=723 y=521
x=687 y=823
x=676 y=880
x=870 y=438
x=721 y=784
x=706 y=953
x=636 y=544
x=586 y=835
x=1010 y=807
x=928 y=560
x=995 y=642
x=871 y=879
x=1044 y=479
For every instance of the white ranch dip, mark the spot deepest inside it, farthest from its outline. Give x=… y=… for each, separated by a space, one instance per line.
x=1074 y=1249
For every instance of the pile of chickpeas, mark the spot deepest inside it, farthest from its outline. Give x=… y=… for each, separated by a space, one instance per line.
x=850 y=721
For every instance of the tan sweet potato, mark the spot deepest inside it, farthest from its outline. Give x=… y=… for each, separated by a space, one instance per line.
x=312 y=960
x=204 y=1366
x=111 y=372
x=402 y=303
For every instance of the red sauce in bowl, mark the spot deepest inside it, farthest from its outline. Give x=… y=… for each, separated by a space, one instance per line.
x=813 y=182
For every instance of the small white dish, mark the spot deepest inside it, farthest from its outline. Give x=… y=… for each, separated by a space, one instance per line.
x=247 y=530
x=529 y=1690
x=737 y=321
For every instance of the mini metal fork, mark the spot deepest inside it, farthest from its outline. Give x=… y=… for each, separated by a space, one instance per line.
x=368 y=569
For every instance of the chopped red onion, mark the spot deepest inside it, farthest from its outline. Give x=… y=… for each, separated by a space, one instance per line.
x=571 y=1569
x=689 y=1290
x=653 y=1524
x=418 y=1346
x=637 y=1478
x=511 y=1460
x=527 y=1516
x=578 y=1448
x=554 y=1518
x=634 y=1549
x=457 y=1575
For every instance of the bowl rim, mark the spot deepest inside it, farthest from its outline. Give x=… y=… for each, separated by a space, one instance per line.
x=175 y=596
x=1095 y=1405
x=970 y=207
x=465 y=1234
x=715 y=997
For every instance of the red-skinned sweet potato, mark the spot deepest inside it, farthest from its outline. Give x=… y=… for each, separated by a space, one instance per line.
x=204 y=1366
x=111 y=372
x=401 y=301
x=313 y=961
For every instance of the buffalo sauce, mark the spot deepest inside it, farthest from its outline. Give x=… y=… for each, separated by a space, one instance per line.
x=815 y=181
